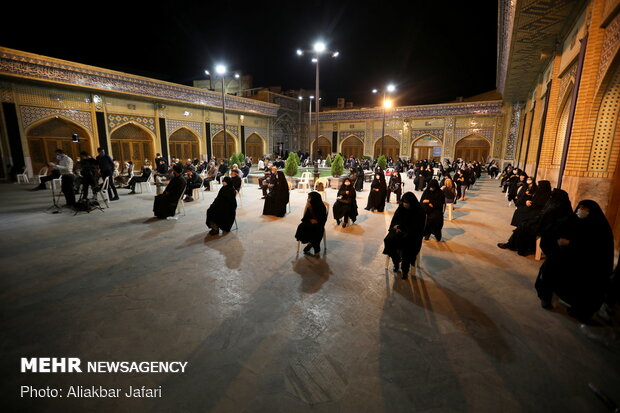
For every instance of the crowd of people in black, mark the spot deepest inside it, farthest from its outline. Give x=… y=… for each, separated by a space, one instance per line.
x=577 y=243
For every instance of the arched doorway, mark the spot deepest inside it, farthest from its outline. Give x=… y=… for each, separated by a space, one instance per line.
x=255 y=147
x=426 y=147
x=218 y=145
x=472 y=148
x=131 y=142
x=56 y=133
x=184 y=145
x=324 y=145
x=352 y=146
x=391 y=147
x=560 y=136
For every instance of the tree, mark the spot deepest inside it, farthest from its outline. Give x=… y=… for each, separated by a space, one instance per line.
x=328 y=161
x=236 y=158
x=292 y=164
x=382 y=162
x=337 y=166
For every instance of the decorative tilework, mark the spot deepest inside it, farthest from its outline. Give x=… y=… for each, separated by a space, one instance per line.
x=477 y=108
x=26 y=65
x=486 y=133
x=250 y=130
x=448 y=137
x=513 y=131
x=173 y=125
x=115 y=120
x=6 y=93
x=416 y=133
x=342 y=135
x=565 y=82
x=396 y=134
x=32 y=114
x=218 y=127
x=610 y=47
x=497 y=143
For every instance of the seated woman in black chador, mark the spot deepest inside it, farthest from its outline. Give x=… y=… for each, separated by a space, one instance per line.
x=396 y=186
x=376 y=197
x=312 y=225
x=165 y=205
x=345 y=206
x=404 y=238
x=433 y=201
x=581 y=269
x=525 y=192
x=277 y=198
x=552 y=218
x=221 y=213
x=523 y=238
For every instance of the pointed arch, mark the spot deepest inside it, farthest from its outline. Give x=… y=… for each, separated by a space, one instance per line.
x=423 y=147
x=217 y=144
x=388 y=146
x=562 y=125
x=133 y=142
x=184 y=143
x=352 y=145
x=255 y=146
x=324 y=145
x=473 y=147
x=55 y=132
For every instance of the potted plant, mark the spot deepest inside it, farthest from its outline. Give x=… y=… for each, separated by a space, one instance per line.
x=337 y=168
x=382 y=162
x=291 y=167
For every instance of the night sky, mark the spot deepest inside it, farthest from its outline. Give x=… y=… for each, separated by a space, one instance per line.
x=434 y=51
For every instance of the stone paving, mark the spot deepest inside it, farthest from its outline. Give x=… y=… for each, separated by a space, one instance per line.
x=265 y=330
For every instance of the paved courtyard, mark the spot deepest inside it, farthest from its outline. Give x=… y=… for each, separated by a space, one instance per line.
x=265 y=330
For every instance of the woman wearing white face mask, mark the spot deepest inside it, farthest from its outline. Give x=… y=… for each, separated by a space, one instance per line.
x=579 y=273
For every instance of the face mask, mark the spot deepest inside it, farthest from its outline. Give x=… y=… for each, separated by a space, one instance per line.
x=529 y=182
x=582 y=213
x=59 y=157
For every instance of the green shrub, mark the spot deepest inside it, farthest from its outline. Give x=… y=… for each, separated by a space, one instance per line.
x=337 y=166
x=328 y=161
x=382 y=162
x=292 y=164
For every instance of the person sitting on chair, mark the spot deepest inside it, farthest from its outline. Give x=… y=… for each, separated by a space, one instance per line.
x=146 y=173
x=165 y=205
x=221 y=213
x=193 y=181
x=312 y=226
x=51 y=175
x=235 y=179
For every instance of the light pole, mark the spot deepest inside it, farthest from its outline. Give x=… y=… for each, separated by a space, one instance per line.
x=301 y=98
x=387 y=103
x=220 y=69
x=318 y=49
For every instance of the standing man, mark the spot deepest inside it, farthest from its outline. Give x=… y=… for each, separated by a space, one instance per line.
x=106 y=168
x=65 y=167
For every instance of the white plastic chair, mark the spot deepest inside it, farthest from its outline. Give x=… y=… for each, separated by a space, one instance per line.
x=325 y=183
x=149 y=182
x=323 y=163
x=57 y=183
x=416 y=266
x=180 y=211
x=238 y=193
x=304 y=181
x=104 y=191
x=42 y=173
x=23 y=178
x=450 y=208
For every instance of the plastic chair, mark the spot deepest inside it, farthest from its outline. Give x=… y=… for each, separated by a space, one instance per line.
x=180 y=211
x=149 y=181
x=104 y=191
x=450 y=208
x=42 y=173
x=23 y=178
x=325 y=183
x=416 y=266
x=238 y=193
x=304 y=181
x=57 y=183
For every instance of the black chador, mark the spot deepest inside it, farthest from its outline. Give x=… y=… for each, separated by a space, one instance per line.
x=378 y=190
x=221 y=213
x=310 y=230
x=165 y=205
x=433 y=201
x=277 y=198
x=359 y=183
x=345 y=207
x=396 y=186
x=404 y=238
